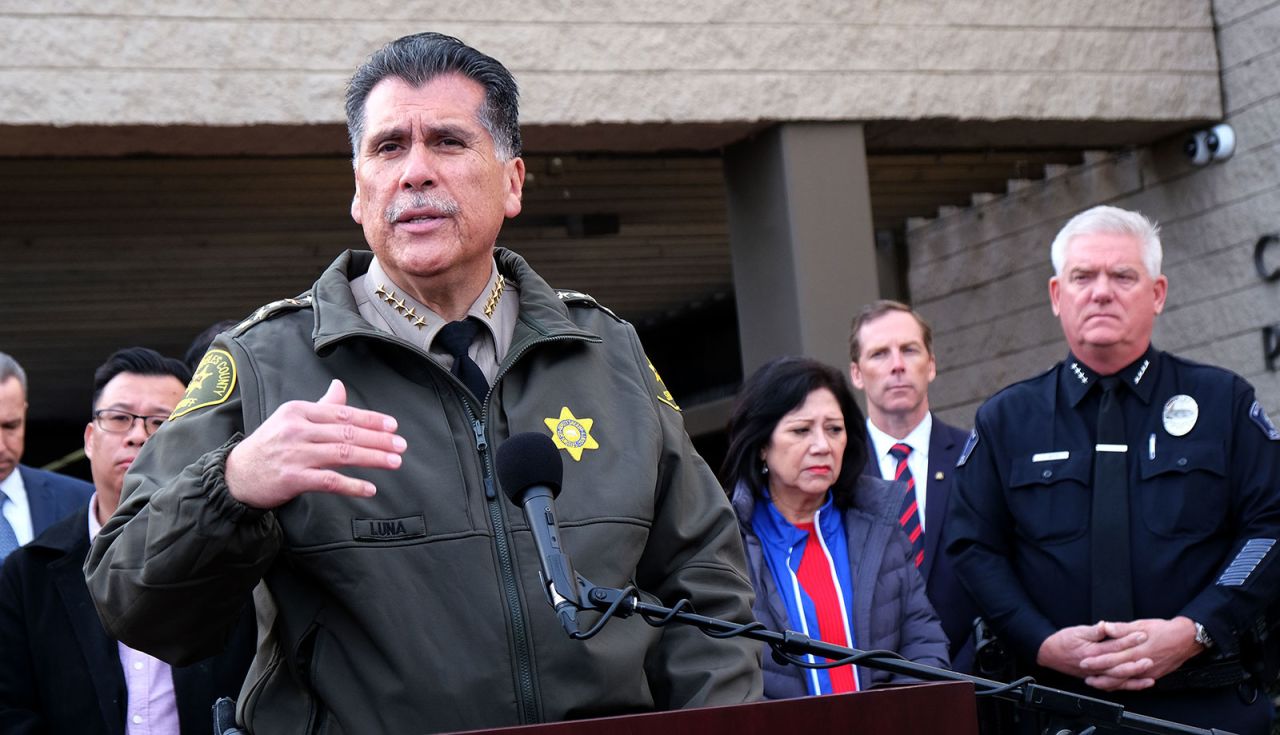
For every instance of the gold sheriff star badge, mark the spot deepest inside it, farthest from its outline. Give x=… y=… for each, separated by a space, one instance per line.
x=572 y=434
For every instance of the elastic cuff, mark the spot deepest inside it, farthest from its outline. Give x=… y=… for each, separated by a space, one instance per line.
x=213 y=478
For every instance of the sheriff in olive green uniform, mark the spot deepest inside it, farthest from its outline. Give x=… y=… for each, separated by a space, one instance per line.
x=419 y=609
x=396 y=589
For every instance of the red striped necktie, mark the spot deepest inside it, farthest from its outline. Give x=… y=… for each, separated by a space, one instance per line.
x=909 y=512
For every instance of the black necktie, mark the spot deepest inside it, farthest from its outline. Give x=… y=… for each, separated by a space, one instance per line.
x=909 y=510
x=1111 y=572
x=456 y=338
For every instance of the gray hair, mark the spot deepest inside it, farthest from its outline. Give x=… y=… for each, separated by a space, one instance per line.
x=419 y=58
x=9 y=368
x=1104 y=220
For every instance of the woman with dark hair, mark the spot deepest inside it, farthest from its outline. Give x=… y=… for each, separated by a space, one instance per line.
x=826 y=554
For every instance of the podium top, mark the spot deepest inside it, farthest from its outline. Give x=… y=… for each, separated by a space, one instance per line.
x=943 y=707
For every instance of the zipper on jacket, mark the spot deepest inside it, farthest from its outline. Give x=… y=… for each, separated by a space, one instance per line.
x=519 y=627
x=528 y=699
x=511 y=359
x=527 y=695
x=482 y=446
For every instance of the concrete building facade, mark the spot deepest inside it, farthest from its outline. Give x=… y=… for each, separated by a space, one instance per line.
x=744 y=172
x=980 y=274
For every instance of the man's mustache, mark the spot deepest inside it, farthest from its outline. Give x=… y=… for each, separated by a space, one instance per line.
x=431 y=201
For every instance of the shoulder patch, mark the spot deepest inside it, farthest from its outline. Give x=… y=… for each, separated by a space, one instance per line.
x=969 y=444
x=275 y=307
x=1259 y=416
x=663 y=394
x=212 y=383
x=578 y=298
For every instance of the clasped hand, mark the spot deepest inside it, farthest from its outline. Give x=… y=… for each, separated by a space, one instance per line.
x=1121 y=656
x=301 y=446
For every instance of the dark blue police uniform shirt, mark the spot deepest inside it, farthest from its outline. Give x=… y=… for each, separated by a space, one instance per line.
x=1204 y=506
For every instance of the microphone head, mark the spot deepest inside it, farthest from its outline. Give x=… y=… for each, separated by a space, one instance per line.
x=528 y=459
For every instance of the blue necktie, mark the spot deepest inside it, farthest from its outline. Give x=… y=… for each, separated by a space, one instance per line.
x=8 y=539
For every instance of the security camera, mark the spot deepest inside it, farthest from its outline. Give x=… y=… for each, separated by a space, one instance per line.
x=1215 y=144
x=1196 y=148
x=1221 y=141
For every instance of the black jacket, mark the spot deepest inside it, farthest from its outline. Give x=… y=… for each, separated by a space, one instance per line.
x=1204 y=516
x=59 y=672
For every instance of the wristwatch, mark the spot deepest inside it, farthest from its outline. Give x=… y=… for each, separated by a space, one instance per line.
x=1202 y=636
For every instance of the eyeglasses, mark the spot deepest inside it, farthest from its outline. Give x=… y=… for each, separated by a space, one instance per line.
x=119 y=422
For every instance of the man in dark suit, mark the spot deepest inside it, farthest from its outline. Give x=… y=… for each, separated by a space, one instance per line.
x=891 y=354
x=31 y=499
x=59 y=671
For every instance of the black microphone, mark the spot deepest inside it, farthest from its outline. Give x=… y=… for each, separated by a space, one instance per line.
x=529 y=471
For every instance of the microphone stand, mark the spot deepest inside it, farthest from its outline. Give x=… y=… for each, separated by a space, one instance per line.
x=789 y=646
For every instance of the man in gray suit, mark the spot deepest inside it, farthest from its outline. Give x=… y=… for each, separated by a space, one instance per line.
x=31 y=499
x=891 y=360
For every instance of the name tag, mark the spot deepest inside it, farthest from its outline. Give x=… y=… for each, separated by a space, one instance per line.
x=1049 y=456
x=1121 y=448
x=388 y=529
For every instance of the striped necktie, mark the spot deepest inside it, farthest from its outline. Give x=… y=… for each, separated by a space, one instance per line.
x=909 y=512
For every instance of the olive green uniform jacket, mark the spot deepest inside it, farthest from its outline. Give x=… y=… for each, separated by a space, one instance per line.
x=419 y=609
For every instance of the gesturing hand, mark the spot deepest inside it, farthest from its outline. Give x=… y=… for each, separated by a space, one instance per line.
x=298 y=448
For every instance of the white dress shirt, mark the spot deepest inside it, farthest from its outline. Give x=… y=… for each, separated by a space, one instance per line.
x=151 y=704
x=917 y=461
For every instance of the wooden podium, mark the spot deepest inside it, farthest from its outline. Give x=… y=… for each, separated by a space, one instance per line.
x=947 y=708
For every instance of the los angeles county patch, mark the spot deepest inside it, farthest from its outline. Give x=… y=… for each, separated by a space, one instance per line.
x=211 y=384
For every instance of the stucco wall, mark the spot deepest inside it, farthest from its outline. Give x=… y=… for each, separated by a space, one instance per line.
x=225 y=63
x=980 y=274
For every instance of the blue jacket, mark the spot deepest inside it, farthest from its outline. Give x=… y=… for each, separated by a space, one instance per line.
x=52 y=497
x=1204 y=515
x=890 y=608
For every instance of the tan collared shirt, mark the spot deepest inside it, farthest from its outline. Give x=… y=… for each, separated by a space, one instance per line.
x=384 y=305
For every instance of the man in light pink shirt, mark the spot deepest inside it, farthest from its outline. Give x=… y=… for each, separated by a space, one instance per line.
x=59 y=671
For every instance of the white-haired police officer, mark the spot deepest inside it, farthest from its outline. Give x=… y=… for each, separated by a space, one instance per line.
x=1116 y=517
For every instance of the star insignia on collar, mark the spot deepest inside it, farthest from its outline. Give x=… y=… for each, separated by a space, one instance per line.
x=410 y=313
x=495 y=295
x=571 y=433
x=1075 y=368
x=1141 y=371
